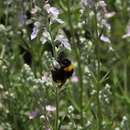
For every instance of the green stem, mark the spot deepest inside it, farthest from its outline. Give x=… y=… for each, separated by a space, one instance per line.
x=57 y=87
x=52 y=42
x=125 y=78
x=97 y=42
x=57 y=109
x=99 y=113
x=57 y=94
x=77 y=55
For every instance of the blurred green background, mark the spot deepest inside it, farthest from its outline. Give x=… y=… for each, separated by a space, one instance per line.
x=97 y=96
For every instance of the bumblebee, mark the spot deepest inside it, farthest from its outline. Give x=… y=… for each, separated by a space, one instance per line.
x=65 y=71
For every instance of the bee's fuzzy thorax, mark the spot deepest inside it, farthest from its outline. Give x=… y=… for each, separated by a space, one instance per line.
x=69 y=68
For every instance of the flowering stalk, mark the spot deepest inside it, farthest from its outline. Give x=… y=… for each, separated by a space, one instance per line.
x=56 y=94
x=96 y=40
x=57 y=106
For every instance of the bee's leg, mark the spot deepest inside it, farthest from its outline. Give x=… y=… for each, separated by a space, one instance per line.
x=62 y=83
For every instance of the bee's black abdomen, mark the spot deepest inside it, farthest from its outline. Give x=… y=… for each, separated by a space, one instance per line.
x=59 y=75
x=68 y=74
x=64 y=72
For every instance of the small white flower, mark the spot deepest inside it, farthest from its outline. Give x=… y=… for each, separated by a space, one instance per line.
x=82 y=39
x=105 y=39
x=93 y=92
x=4 y=67
x=117 y=128
x=107 y=86
x=88 y=123
x=127 y=34
x=109 y=14
x=124 y=118
x=2 y=28
x=103 y=122
x=101 y=3
x=107 y=100
x=87 y=3
x=124 y=121
x=50 y=108
x=42 y=117
x=1 y=86
x=26 y=68
x=70 y=109
x=104 y=23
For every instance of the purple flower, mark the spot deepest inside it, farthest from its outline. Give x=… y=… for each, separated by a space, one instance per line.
x=33 y=114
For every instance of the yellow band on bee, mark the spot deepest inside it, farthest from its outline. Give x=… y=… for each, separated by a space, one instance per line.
x=69 y=68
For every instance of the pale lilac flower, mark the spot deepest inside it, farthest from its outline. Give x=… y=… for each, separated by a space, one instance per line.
x=63 y=40
x=35 y=30
x=105 y=39
x=34 y=33
x=54 y=13
x=45 y=37
x=74 y=79
x=51 y=10
x=22 y=18
x=32 y=114
x=50 y=108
